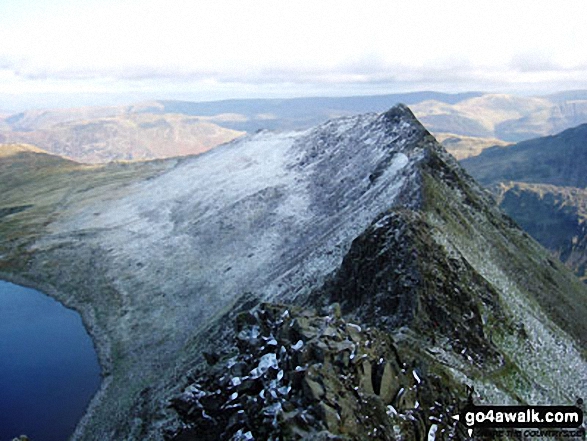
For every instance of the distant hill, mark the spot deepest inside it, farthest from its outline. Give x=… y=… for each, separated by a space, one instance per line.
x=506 y=117
x=16 y=159
x=161 y=129
x=480 y=119
x=542 y=185
x=296 y=113
x=469 y=122
x=461 y=146
x=126 y=136
x=567 y=95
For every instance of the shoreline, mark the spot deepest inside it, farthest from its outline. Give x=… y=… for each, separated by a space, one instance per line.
x=100 y=342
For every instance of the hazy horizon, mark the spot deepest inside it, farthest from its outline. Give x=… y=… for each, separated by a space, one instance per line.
x=18 y=104
x=100 y=52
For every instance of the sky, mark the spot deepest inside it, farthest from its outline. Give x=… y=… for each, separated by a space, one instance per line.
x=66 y=52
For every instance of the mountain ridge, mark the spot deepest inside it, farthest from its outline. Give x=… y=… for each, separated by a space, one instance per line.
x=159 y=264
x=125 y=137
x=555 y=160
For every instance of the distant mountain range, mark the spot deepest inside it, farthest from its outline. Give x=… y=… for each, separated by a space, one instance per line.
x=466 y=122
x=542 y=185
x=506 y=117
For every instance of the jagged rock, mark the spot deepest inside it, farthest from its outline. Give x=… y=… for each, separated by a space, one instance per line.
x=314 y=390
x=365 y=380
x=281 y=399
x=388 y=384
x=330 y=417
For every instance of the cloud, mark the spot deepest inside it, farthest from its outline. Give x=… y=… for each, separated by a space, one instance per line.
x=534 y=62
x=367 y=68
x=152 y=44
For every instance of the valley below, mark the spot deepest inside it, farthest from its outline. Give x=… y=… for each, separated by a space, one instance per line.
x=541 y=184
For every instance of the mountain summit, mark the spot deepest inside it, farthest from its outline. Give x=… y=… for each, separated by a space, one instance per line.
x=360 y=236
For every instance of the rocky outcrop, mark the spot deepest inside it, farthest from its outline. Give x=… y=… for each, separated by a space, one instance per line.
x=302 y=374
x=396 y=275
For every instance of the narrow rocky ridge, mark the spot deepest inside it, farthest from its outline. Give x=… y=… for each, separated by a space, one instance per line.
x=460 y=290
x=366 y=211
x=307 y=374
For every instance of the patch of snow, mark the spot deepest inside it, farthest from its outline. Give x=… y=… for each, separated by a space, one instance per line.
x=266 y=362
x=271 y=214
x=391 y=410
x=298 y=345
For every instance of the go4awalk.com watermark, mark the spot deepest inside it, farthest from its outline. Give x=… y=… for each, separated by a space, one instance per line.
x=524 y=421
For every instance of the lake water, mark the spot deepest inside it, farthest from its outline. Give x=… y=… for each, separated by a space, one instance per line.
x=48 y=366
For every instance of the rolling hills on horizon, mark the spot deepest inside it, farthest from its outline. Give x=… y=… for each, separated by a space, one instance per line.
x=127 y=136
x=466 y=122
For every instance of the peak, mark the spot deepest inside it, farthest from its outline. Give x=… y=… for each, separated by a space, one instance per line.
x=401 y=117
x=367 y=211
x=400 y=112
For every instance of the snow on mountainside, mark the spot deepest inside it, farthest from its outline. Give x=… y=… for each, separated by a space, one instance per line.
x=368 y=211
x=181 y=230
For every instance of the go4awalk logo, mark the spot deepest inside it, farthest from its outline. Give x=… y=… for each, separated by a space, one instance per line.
x=551 y=418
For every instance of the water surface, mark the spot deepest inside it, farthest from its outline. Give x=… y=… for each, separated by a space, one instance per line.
x=48 y=366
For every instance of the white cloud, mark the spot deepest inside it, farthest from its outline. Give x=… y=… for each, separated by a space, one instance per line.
x=185 y=43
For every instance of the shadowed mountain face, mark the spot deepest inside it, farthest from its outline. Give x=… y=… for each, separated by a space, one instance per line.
x=554 y=216
x=243 y=253
x=541 y=184
x=556 y=160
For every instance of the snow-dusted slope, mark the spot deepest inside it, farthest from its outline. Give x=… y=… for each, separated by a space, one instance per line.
x=368 y=211
x=262 y=214
x=152 y=262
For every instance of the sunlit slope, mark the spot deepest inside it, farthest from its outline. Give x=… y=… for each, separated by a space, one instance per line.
x=135 y=136
x=36 y=188
x=171 y=128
